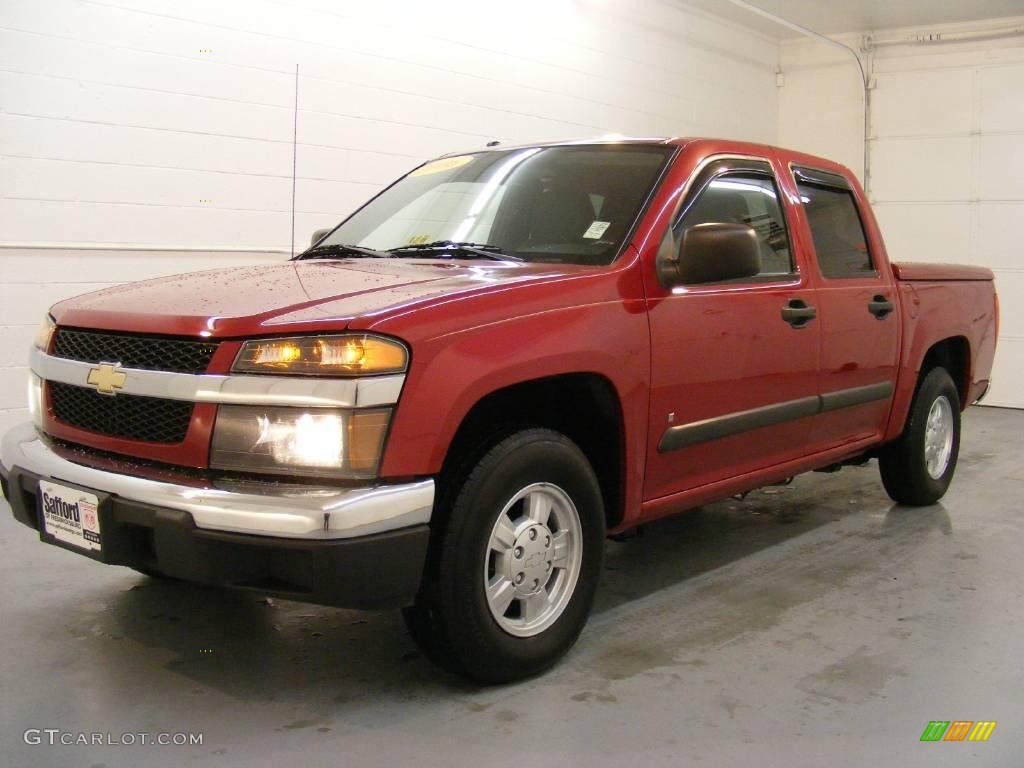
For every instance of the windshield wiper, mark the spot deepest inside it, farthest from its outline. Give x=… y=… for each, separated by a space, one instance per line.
x=450 y=248
x=340 y=249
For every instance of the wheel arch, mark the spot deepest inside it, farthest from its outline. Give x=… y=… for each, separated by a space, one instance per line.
x=584 y=406
x=953 y=354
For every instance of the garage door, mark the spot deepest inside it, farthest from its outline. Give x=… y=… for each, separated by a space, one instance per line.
x=947 y=178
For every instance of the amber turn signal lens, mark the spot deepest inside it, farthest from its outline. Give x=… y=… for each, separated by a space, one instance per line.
x=366 y=432
x=323 y=356
x=44 y=334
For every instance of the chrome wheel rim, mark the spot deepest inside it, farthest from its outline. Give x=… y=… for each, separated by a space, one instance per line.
x=533 y=559
x=938 y=437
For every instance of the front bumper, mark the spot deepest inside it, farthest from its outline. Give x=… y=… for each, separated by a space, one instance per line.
x=353 y=547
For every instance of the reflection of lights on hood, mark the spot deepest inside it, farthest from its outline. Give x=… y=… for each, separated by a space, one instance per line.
x=210 y=323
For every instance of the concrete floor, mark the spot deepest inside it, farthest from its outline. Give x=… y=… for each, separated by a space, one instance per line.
x=814 y=624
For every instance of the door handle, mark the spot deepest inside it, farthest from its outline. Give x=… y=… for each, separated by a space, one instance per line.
x=797 y=313
x=880 y=306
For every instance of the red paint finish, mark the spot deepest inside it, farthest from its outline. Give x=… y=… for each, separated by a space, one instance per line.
x=292 y=297
x=719 y=349
x=671 y=356
x=922 y=271
x=933 y=311
x=576 y=319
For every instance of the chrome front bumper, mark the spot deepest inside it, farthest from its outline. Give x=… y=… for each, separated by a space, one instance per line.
x=262 y=509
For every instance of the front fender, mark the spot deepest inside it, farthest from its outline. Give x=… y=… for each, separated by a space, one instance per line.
x=451 y=373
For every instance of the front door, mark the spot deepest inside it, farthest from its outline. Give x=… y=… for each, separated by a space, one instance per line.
x=734 y=363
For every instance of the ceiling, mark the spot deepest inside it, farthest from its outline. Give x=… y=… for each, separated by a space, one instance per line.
x=834 y=16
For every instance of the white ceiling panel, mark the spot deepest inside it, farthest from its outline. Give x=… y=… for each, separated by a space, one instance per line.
x=837 y=16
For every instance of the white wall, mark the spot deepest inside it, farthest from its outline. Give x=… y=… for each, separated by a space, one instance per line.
x=129 y=126
x=946 y=147
x=820 y=102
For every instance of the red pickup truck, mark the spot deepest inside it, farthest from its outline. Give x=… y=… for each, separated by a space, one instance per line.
x=450 y=400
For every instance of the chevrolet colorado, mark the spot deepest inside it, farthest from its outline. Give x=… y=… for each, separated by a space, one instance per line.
x=448 y=401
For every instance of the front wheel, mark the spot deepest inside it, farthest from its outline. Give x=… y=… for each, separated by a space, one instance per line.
x=918 y=467
x=519 y=561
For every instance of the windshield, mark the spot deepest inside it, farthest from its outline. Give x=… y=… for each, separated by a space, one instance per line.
x=569 y=204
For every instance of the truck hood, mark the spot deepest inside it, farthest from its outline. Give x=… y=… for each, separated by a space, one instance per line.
x=292 y=296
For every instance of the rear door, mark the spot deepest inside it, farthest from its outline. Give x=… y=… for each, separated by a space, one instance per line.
x=734 y=364
x=856 y=311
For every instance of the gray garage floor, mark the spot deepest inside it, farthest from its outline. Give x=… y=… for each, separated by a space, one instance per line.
x=814 y=624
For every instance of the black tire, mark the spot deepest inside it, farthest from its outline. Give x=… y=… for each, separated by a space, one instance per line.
x=903 y=463
x=421 y=623
x=452 y=622
x=153 y=574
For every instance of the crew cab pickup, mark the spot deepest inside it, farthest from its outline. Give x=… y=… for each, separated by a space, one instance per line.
x=449 y=400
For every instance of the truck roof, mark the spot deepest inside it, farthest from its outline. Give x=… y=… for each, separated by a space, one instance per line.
x=612 y=138
x=714 y=146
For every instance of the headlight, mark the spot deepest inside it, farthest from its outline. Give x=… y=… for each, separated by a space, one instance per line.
x=323 y=355
x=44 y=334
x=325 y=442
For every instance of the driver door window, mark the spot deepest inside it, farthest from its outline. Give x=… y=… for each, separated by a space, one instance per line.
x=751 y=199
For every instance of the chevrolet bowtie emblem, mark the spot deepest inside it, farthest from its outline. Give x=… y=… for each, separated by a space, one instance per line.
x=107 y=378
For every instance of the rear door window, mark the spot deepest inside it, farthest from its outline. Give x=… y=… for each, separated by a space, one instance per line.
x=840 y=243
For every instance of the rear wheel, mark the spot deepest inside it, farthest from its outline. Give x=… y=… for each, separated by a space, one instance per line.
x=518 y=561
x=918 y=467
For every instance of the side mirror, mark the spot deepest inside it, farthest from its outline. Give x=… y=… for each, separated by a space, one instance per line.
x=711 y=253
x=318 y=235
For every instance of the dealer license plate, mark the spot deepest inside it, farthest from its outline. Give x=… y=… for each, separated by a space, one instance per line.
x=70 y=516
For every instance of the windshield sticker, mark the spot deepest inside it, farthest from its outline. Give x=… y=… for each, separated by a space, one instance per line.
x=595 y=230
x=419 y=239
x=444 y=164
